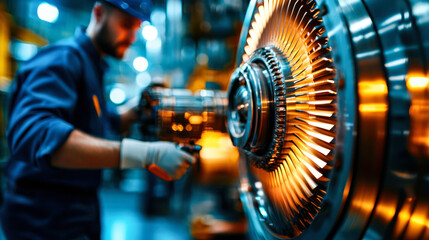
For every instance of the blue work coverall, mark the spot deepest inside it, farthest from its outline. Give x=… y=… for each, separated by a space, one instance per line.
x=57 y=91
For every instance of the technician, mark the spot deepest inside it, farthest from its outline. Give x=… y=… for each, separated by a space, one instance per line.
x=57 y=124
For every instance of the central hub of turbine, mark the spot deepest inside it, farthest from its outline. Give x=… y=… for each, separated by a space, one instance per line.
x=257 y=106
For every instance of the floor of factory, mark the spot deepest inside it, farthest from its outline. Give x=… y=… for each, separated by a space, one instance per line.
x=141 y=206
x=123 y=219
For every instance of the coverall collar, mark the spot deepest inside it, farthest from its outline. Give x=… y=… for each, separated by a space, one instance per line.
x=80 y=35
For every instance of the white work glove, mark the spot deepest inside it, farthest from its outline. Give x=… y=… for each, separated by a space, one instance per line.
x=164 y=159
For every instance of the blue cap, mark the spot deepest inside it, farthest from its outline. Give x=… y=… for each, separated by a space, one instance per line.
x=136 y=8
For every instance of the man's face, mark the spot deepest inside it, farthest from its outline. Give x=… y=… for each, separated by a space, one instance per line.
x=117 y=33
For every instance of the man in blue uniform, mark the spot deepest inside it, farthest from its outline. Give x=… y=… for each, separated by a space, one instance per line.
x=57 y=123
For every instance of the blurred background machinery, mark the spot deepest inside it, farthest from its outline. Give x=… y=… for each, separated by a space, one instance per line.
x=180 y=115
x=328 y=106
x=209 y=194
x=11 y=36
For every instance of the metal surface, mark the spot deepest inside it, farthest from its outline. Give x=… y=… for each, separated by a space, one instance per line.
x=180 y=115
x=257 y=117
x=364 y=131
x=187 y=118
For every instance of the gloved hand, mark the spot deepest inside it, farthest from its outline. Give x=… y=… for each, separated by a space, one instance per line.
x=164 y=159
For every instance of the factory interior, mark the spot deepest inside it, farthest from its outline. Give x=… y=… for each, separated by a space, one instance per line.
x=305 y=119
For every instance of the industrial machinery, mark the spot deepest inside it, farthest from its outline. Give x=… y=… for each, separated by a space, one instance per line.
x=187 y=118
x=180 y=115
x=329 y=108
x=209 y=196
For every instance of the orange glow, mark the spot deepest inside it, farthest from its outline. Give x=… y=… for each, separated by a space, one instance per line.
x=364 y=206
x=371 y=108
x=218 y=158
x=415 y=83
x=324 y=151
x=418 y=221
x=418 y=143
x=320 y=102
x=315 y=159
x=313 y=171
x=386 y=207
x=322 y=137
x=205 y=117
x=321 y=113
x=187 y=115
x=387 y=210
x=326 y=126
x=195 y=119
x=309 y=104
x=377 y=87
x=403 y=217
x=413 y=220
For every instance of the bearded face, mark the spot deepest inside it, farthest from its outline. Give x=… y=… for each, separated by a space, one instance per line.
x=117 y=32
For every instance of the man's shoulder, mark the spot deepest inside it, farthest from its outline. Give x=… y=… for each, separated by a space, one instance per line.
x=61 y=48
x=64 y=52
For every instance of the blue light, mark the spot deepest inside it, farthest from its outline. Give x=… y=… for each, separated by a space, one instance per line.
x=149 y=32
x=119 y=230
x=140 y=64
x=117 y=95
x=22 y=51
x=143 y=79
x=47 y=12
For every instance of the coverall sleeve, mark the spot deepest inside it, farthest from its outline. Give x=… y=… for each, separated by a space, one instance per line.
x=114 y=118
x=42 y=107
